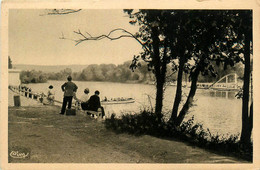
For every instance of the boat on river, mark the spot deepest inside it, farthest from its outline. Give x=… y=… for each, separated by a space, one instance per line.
x=118 y=101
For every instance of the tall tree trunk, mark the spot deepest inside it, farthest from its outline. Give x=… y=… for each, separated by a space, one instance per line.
x=178 y=93
x=159 y=77
x=189 y=100
x=246 y=123
x=163 y=76
x=160 y=85
x=159 y=98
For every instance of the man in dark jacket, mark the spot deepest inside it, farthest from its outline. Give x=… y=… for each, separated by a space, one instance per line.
x=69 y=88
x=94 y=103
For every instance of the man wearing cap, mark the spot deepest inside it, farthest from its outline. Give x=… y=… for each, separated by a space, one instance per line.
x=69 y=88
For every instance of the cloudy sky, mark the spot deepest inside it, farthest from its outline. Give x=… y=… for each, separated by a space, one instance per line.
x=34 y=37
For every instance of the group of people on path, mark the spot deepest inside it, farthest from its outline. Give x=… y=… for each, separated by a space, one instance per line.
x=70 y=88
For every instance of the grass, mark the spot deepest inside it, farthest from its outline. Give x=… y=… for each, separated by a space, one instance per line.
x=149 y=123
x=54 y=138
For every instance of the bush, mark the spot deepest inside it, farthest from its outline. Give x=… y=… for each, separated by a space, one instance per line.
x=144 y=123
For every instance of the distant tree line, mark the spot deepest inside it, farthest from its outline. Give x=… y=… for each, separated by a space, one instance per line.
x=106 y=72
x=121 y=73
x=33 y=77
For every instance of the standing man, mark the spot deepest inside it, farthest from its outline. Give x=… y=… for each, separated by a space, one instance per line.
x=69 y=88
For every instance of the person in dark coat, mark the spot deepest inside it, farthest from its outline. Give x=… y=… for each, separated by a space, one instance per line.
x=69 y=88
x=94 y=103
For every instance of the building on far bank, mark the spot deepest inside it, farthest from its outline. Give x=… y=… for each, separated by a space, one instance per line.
x=14 y=77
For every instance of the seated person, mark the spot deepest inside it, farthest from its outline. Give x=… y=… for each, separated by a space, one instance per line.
x=51 y=94
x=94 y=103
x=84 y=99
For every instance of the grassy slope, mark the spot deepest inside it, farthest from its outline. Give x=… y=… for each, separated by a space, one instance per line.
x=79 y=139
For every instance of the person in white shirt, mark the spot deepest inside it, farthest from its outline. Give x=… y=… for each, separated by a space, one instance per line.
x=51 y=95
x=84 y=99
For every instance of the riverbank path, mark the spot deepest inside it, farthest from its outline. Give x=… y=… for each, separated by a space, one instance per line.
x=54 y=138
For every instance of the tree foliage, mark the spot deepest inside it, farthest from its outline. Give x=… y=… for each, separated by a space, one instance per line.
x=107 y=73
x=33 y=77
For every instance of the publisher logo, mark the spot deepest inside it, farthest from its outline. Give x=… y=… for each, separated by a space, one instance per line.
x=19 y=153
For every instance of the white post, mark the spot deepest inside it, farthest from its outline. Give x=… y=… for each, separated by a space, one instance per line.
x=226 y=94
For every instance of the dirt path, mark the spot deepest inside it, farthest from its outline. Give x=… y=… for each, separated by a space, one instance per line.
x=54 y=138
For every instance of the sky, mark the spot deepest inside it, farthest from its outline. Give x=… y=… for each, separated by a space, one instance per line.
x=34 y=38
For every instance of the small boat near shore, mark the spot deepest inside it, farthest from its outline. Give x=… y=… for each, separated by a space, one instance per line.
x=118 y=101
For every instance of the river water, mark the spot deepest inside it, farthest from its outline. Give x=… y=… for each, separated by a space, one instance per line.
x=220 y=112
